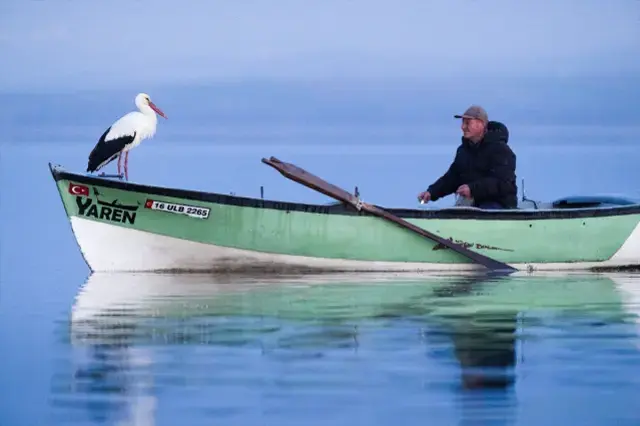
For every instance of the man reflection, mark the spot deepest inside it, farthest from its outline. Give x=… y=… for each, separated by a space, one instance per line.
x=485 y=346
x=484 y=342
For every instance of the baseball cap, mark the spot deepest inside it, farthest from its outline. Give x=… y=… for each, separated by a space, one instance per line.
x=475 y=111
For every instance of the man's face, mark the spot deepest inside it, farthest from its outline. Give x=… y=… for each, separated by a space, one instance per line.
x=472 y=128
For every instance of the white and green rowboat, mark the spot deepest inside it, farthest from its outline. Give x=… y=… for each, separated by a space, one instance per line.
x=124 y=226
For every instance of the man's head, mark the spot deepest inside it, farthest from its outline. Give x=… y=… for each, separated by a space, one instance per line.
x=474 y=122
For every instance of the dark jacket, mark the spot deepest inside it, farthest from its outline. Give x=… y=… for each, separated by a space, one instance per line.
x=488 y=167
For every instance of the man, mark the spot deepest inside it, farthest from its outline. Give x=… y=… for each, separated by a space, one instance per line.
x=483 y=170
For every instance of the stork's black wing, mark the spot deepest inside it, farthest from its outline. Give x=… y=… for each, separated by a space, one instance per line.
x=106 y=151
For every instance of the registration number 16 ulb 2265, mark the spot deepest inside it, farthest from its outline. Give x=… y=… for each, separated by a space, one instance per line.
x=184 y=209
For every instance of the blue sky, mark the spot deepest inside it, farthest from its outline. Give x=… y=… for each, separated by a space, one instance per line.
x=406 y=61
x=59 y=44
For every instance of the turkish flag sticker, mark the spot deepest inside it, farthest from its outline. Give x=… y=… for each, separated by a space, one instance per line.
x=75 y=189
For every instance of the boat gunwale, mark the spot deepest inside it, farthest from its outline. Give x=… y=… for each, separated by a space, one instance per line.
x=457 y=213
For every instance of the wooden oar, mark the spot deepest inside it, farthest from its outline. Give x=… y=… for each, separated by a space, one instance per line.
x=303 y=177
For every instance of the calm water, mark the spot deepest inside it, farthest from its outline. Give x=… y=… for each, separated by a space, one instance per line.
x=162 y=350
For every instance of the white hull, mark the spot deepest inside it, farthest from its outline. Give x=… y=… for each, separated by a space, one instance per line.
x=112 y=248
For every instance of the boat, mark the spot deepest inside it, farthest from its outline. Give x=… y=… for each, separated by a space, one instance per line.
x=123 y=226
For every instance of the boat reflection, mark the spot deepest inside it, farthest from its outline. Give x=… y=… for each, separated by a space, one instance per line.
x=124 y=319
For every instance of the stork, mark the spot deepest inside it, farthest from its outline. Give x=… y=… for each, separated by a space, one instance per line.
x=124 y=135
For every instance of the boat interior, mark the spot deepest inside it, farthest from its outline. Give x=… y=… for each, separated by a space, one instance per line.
x=578 y=202
x=582 y=203
x=564 y=203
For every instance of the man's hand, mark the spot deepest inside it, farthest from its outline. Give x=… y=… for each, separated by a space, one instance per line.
x=424 y=196
x=464 y=191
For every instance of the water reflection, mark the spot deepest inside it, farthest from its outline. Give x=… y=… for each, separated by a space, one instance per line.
x=141 y=336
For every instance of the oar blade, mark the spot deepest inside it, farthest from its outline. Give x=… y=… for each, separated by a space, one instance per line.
x=303 y=177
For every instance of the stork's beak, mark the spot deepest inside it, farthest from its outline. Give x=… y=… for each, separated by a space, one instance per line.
x=156 y=109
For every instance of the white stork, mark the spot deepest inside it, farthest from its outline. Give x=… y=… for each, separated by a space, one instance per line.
x=125 y=134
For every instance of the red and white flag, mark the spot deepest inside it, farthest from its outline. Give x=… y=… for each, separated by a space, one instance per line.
x=75 y=189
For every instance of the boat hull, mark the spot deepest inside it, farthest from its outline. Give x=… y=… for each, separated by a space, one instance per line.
x=122 y=226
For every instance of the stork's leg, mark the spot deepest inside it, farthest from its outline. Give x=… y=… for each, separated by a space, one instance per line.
x=126 y=165
x=119 y=158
